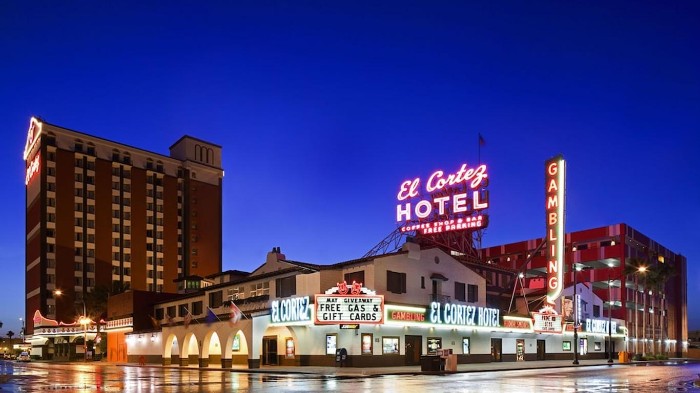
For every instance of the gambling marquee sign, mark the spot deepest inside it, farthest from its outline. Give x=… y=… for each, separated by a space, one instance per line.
x=555 y=170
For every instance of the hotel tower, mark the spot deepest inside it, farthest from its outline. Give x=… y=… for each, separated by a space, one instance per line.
x=102 y=214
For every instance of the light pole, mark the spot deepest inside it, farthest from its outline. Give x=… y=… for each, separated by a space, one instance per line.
x=610 y=359
x=84 y=320
x=576 y=316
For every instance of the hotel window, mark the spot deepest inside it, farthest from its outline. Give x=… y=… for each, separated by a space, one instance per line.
x=78 y=222
x=182 y=310
x=171 y=312
x=358 y=277
x=51 y=171
x=90 y=180
x=50 y=247
x=52 y=156
x=197 y=308
x=460 y=293
x=115 y=185
x=115 y=256
x=422 y=282
x=51 y=202
x=51 y=186
x=390 y=345
x=78 y=162
x=395 y=282
x=286 y=287
x=51 y=217
x=78 y=207
x=236 y=293
x=91 y=224
x=91 y=238
x=160 y=313
x=115 y=228
x=79 y=192
x=78 y=177
x=127 y=230
x=78 y=281
x=194 y=251
x=260 y=289
x=50 y=278
x=472 y=293
x=90 y=267
x=596 y=311
x=216 y=299
x=115 y=213
x=91 y=194
x=79 y=236
x=50 y=233
x=115 y=199
x=91 y=165
x=91 y=252
x=91 y=209
x=127 y=257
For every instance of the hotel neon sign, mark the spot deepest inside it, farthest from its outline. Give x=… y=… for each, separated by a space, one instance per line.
x=555 y=169
x=452 y=203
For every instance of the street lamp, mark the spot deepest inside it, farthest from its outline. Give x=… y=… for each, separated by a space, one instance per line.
x=576 y=316
x=84 y=321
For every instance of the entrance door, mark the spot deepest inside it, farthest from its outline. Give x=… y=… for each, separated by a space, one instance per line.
x=269 y=351
x=496 y=349
x=414 y=348
x=540 y=350
x=607 y=349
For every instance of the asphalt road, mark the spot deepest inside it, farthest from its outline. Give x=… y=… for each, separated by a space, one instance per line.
x=43 y=377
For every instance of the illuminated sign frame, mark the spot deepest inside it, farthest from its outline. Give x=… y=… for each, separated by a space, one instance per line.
x=32 y=136
x=555 y=178
x=449 y=206
x=289 y=310
x=463 y=315
x=348 y=309
x=547 y=320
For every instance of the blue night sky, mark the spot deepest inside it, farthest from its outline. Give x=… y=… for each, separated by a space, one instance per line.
x=324 y=108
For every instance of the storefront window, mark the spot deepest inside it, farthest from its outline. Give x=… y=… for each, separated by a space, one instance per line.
x=566 y=346
x=367 y=343
x=434 y=343
x=465 y=345
x=236 y=343
x=289 y=348
x=390 y=345
x=331 y=344
x=596 y=345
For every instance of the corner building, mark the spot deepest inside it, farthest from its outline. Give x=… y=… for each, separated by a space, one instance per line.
x=105 y=214
x=654 y=312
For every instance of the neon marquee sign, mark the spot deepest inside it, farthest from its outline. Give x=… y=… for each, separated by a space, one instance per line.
x=453 y=203
x=555 y=169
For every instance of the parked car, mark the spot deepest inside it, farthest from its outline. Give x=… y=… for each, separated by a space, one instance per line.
x=24 y=357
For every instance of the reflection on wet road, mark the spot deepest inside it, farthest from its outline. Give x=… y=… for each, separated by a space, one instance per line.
x=77 y=377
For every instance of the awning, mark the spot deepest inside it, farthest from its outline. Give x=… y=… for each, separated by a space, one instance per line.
x=438 y=276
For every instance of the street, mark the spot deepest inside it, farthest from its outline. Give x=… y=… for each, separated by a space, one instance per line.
x=20 y=377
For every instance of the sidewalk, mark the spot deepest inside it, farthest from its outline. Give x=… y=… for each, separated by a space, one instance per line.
x=355 y=372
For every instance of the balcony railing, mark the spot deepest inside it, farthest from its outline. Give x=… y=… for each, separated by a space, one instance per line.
x=439 y=298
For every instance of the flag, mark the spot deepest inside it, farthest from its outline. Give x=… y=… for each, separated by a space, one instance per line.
x=154 y=322
x=236 y=314
x=211 y=317
x=482 y=142
x=188 y=319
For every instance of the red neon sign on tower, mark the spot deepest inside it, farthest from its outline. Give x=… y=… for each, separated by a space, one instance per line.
x=555 y=169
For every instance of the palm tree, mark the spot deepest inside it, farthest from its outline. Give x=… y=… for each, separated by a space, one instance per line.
x=635 y=267
x=661 y=274
x=10 y=334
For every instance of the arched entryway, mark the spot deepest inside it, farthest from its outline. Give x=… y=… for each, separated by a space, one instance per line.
x=171 y=351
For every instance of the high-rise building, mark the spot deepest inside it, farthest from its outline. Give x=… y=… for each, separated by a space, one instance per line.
x=105 y=215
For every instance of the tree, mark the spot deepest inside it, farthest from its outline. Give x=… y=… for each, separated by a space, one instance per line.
x=661 y=273
x=636 y=267
x=10 y=334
